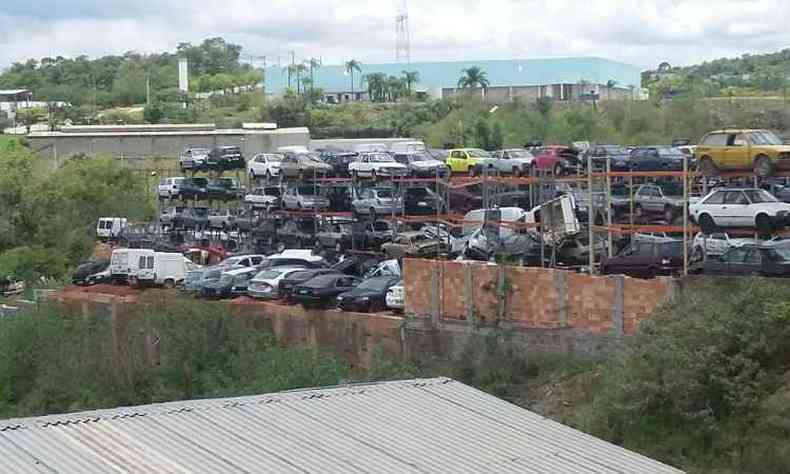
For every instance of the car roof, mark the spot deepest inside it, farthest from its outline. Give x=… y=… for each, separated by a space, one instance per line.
x=732 y=188
x=738 y=130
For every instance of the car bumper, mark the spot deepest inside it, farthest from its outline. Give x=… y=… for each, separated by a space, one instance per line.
x=354 y=306
x=780 y=220
x=214 y=293
x=271 y=294
x=395 y=303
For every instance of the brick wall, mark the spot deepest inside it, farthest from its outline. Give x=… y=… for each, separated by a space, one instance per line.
x=529 y=298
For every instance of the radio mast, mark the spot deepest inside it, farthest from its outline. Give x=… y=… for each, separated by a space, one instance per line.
x=402 y=48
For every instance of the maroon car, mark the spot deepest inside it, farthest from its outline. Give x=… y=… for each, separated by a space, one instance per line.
x=646 y=259
x=558 y=159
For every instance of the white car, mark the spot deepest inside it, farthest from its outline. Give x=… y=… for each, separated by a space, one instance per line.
x=266 y=284
x=265 y=165
x=396 y=297
x=376 y=164
x=194 y=159
x=266 y=197
x=170 y=188
x=715 y=244
x=738 y=207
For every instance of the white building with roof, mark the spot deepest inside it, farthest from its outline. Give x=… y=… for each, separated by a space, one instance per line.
x=425 y=426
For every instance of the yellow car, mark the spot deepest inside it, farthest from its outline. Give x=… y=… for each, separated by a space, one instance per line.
x=463 y=160
x=757 y=150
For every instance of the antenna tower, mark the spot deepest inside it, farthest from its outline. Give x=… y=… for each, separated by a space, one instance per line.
x=402 y=49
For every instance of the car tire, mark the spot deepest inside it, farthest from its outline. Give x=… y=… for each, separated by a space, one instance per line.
x=557 y=169
x=471 y=171
x=279 y=247
x=763 y=167
x=651 y=273
x=516 y=172
x=763 y=224
x=169 y=284
x=697 y=255
x=669 y=214
x=638 y=211
x=339 y=247
x=707 y=167
x=372 y=212
x=373 y=175
x=707 y=224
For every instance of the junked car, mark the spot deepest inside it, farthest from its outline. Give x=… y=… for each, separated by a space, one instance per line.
x=464 y=160
x=665 y=199
x=373 y=165
x=304 y=165
x=421 y=164
x=195 y=158
x=414 y=244
x=304 y=196
x=266 y=284
x=322 y=291
x=231 y=283
x=264 y=197
x=368 y=296
x=738 y=207
x=758 y=150
x=170 y=188
x=515 y=161
x=265 y=165
x=377 y=201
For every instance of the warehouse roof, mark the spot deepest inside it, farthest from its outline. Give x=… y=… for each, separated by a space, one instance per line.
x=418 y=426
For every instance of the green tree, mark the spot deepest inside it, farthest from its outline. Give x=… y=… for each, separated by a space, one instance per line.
x=497 y=137
x=153 y=113
x=351 y=67
x=483 y=134
x=473 y=77
x=411 y=78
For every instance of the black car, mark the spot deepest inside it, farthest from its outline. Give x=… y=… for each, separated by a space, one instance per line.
x=193 y=188
x=422 y=201
x=617 y=155
x=371 y=235
x=222 y=189
x=226 y=158
x=230 y=283
x=768 y=259
x=657 y=158
x=339 y=196
x=296 y=233
x=295 y=279
x=369 y=296
x=192 y=218
x=779 y=190
x=339 y=161
x=646 y=259
x=322 y=290
x=82 y=275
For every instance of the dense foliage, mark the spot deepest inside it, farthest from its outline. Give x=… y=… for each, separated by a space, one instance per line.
x=48 y=217
x=705 y=383
x=112 y=81
x=54 y=362
x=748 y=75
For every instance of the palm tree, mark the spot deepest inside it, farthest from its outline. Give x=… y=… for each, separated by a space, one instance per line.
x=410 y=77
x=351 y=66
x=473 y=77
x=376 y=86
x=314 y=65
x=395 y=87
x=289 y=69
x=610 y=84
x=300 y=69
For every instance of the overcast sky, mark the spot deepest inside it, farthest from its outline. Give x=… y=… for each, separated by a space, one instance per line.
x=642 y=32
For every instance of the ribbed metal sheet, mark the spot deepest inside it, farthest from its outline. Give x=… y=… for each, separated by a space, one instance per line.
x=419 y=426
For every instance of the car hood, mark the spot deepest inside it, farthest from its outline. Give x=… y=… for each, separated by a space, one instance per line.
x=774 y=206
x=427 y=164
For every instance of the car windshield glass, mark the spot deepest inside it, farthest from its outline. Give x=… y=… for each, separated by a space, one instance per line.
x=671 y=189
x=757 y=196
x=381 y=158
x=764 y=137
x=672 y=249
x=321 y=281
x=271 y=192
x=421 y=157
x=519 y=154
x=374 y=284
x=669 y=152
x=419 y=192
x=380 y=226
x=314 y=157
x=306 y=190
x=475 y=153
x=200 y=211
x=615 y=150
x=274 y=158
x=783 y=252
x=385 y=193
x=199 y=151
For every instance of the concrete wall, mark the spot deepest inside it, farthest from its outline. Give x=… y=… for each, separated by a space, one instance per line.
x=504 y=94
x=132 y=145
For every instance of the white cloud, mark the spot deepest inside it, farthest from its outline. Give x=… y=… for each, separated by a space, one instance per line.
x=641 y=32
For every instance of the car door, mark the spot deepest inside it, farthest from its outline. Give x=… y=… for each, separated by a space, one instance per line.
x=652 y=199
x=735 y=210
x=736 y=153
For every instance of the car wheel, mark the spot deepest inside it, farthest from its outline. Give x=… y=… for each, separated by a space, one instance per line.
x=169 y=284
x=697 y=255
x=269 y=176
x=669 y=214
x=373 y=212
x=707 y=224
x=516 y=172
x=355 y=175
x=708 y=167
x=651 y=273
x=373 y=175
x=558 y=169
x=471 y=171
x=338 y=247
x=280 y=247
x=763 y=224
x=763 y=167
x=638 y=211
x=252 y=175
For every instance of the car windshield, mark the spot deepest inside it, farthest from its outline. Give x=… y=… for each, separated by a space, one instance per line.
x=764 y=137
x=321 y=281
x=782 y=252
x=615 y=150
x=419 y=192
x=671 y=189
x=274 y=157
x=199 y=151
x=374 y=284
x=307 y=190
x=669 y=152
x=271 y=192
x=519 y=154
x=381 y=226
x=385 y=193
x=381 y=158
x=421 y=157
x=757 y=196
x=476 y=153
x=314 y=157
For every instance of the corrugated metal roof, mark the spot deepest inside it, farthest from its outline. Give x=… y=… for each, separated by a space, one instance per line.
x=419 y=426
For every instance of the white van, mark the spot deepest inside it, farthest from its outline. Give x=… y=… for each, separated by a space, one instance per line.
x=408 y=147
x=109 y=228
x=474 y=220
x=159 y=268
x=124 y=262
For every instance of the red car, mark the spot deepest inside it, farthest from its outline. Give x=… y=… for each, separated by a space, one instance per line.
x=557 y=158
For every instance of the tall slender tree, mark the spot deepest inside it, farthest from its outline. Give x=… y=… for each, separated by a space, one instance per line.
x=352 y=66
x=410 y=78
